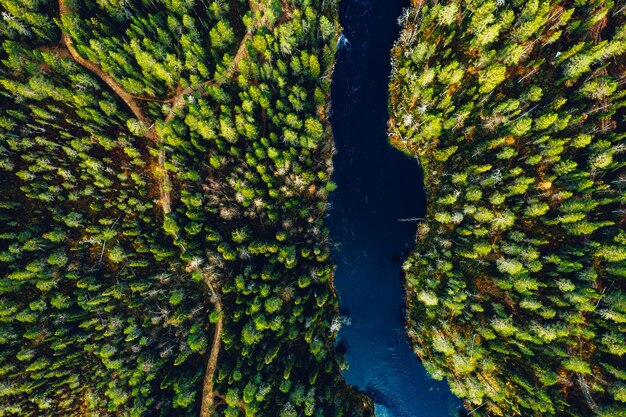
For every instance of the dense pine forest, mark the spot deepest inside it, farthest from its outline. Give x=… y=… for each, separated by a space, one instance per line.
x=165 y=167
x=517 y=287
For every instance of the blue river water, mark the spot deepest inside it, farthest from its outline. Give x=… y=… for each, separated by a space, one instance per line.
x=377 y=186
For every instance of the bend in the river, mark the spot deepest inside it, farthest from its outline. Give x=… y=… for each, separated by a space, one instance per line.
x=377 y=186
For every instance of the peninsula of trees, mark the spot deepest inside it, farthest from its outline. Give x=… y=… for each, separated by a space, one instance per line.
x=165 y=167
x=517 y=287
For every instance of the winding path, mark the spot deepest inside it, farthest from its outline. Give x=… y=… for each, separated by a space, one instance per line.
x=164 y=182
x=208 y=393
x=97 y=70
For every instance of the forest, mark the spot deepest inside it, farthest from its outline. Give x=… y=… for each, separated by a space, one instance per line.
x=516 y=289
x=165 y=167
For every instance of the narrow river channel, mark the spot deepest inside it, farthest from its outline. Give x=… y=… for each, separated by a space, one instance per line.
x=377 y=186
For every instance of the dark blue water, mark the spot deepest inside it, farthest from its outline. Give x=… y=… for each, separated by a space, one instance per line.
x=377 y=186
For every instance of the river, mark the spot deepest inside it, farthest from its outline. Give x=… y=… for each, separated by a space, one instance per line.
x=377 y=186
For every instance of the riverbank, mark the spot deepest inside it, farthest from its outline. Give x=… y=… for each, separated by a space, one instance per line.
x=516 y=287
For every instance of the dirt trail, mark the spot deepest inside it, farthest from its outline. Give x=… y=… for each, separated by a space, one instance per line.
x=163 y=178
x=97 y=70
x=208 y=394
x=164 y=182
x=164 y=190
